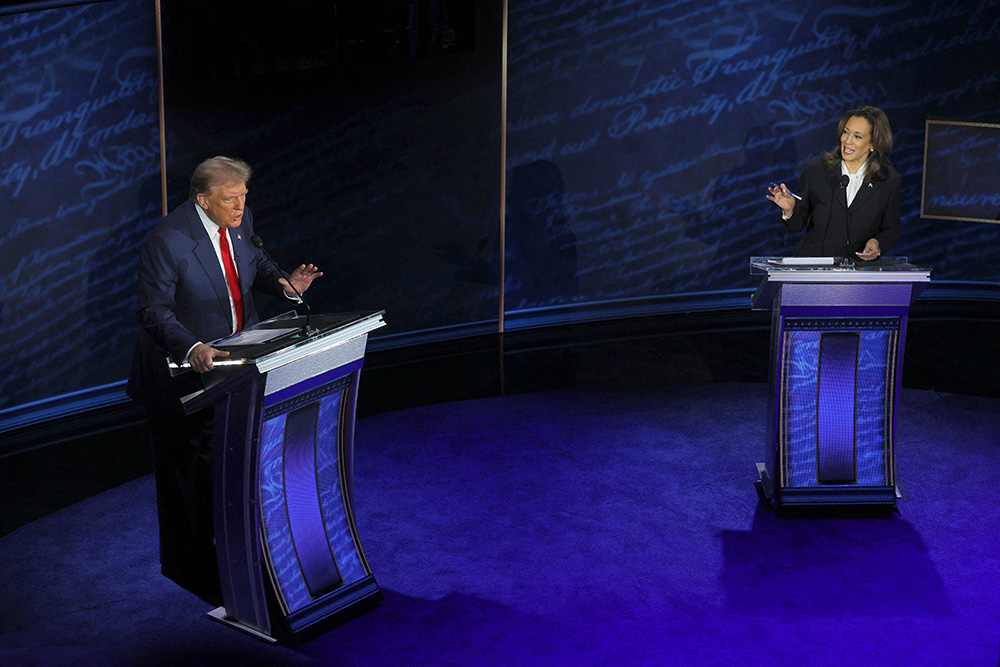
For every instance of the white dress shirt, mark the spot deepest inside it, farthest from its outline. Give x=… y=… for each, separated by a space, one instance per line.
x=212 y=230
x=854 y=180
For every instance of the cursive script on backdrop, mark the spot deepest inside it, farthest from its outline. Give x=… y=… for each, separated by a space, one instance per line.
x=79 y=172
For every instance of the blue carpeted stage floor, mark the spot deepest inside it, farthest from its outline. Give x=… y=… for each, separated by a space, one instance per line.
x=584 y=527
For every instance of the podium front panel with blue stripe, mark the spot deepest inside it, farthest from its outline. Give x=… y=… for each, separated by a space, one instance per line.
x=288 y=548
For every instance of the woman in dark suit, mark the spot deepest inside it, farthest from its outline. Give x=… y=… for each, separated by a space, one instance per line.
x=849 y=196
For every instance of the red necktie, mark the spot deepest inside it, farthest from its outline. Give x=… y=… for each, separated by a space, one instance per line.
x=232 y=278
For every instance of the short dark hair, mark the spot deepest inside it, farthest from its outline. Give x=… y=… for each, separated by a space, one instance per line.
x=217 y=170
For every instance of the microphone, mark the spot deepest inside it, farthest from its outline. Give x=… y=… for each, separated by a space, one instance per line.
x=844 y=182
x=259 y=243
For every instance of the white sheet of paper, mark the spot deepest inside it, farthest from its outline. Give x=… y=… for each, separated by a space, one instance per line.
x=807 y=261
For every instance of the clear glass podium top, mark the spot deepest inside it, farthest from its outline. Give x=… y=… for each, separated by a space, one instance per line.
x=773 y=266
x=809 y=273
x=285 y=338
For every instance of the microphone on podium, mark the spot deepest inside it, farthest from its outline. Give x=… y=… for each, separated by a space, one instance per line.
x=259 y=243
x=844 y=182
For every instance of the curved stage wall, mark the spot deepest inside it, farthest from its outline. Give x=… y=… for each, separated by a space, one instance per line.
x=639 y=139
x=79 y=188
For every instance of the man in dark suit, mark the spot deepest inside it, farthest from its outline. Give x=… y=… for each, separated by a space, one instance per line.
x=850 y=196
x=187 y=298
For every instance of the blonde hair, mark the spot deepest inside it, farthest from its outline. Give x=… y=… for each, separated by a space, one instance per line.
x=217 y=170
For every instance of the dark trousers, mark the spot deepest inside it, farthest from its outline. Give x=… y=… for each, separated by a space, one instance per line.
x=182 y=458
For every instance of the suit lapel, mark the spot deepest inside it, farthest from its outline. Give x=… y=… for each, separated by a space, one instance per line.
x=864 y=194
x=839 y=192
x=242 y=255
x=204 y=252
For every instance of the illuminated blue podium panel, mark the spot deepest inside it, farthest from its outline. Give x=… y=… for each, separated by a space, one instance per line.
x=837 y=336
x=288 y=549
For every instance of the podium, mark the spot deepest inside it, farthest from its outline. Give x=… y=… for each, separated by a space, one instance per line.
x=837 y=337
x=288 y=549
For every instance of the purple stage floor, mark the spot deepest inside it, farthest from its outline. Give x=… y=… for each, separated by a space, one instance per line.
x=584 y=527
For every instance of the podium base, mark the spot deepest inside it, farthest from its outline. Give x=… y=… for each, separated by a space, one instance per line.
x=820 y=496
x=325 y=613
x=219 y=614
x=765 y=489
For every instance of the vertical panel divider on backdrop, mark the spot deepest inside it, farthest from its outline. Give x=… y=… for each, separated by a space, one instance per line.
x=161 y=107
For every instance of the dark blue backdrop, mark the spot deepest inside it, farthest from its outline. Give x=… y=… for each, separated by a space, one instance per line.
x=666 y=120
x=79 y=188
x=640 y=136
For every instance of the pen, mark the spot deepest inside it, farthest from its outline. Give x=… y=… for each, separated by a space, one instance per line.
x=786 y=191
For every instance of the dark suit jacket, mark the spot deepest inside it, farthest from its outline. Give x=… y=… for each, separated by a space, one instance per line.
x=183 y=298
x=823 y=213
